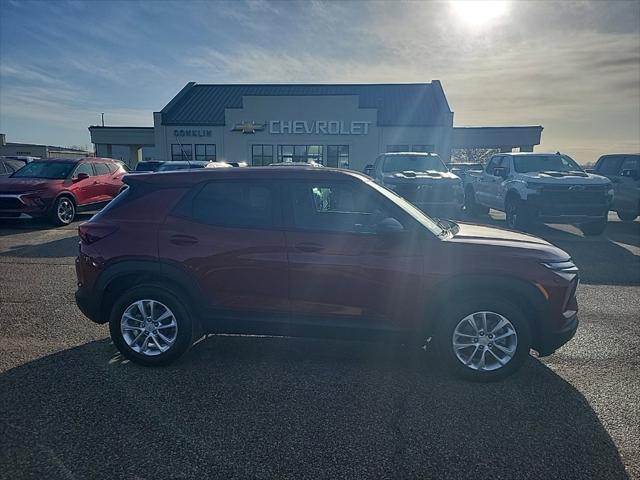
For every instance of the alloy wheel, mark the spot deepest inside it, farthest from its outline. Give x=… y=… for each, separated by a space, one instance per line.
x=484 y=341
x=149 y=327
x=65 y=211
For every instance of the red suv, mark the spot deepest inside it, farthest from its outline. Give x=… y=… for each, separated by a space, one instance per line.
x=316 y=252
x=58 y=188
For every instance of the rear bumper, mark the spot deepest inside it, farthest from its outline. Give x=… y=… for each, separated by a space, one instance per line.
x=89 y=305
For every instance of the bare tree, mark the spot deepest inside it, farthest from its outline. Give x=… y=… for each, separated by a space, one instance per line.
x=473 y=155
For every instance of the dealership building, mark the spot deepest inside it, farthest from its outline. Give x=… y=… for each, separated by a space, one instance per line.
x=343 y=125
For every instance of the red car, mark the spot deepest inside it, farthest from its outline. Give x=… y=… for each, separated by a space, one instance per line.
x=317 y=252
x=58 y=188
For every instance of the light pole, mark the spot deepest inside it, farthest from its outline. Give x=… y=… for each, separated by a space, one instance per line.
x=102 y=118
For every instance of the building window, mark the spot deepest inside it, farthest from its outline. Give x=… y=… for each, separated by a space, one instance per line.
x=261 y=155
x=206 y=152
x=181 y=152
x=397 y=148
x=300 y=153
x=422 y=148
x=338 y=156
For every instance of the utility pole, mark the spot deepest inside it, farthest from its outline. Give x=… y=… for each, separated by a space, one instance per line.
x=102 y=118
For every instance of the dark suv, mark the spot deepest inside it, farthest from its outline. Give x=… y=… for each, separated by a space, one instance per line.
x=315 y=252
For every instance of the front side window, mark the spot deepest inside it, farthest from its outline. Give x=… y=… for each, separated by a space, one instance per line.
x=338 y=156
x=631 y=162
x=545 y=163
x=416 y=163
x=235 y=205
x=261 y=155
x=338 y=207
x=206 y=152
x=181 y=153
x=84 y=168
x=51 y=170
x=493 y=163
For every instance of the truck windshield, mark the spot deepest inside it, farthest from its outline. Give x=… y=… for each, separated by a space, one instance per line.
x=412 y=210
x=416 y=163
x=50 y=170
x=545 y=163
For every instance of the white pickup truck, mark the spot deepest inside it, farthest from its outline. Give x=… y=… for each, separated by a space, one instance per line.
x=543 y=187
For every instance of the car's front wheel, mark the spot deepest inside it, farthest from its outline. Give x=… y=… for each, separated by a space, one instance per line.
x=516 y=214
x=150 y=325
x=596 y=227
x=627 y=216
x=64 y=211
x=483 y=338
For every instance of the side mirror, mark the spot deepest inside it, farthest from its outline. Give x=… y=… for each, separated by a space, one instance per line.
x=368 y=169
x=634 y=174
x=500 y=172
x=389 y=225
x=81 y=176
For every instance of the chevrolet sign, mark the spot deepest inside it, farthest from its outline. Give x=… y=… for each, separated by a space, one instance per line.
x=317 y=127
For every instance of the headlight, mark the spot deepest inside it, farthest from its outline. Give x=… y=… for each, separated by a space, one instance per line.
x=566 y=269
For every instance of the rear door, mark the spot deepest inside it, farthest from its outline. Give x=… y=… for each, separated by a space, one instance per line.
x=343 y=273
x=227 y=235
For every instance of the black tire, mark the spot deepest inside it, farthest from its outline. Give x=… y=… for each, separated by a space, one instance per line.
x=627 y=216
x=186 y=327
x=471 y=207
x=516 y=213
x=594 y=228
x=63 y=211
x=451 y=316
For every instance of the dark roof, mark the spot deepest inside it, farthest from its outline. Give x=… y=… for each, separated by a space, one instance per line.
x=398 y=104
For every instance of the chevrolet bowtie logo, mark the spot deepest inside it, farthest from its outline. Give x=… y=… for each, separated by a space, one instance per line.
x=248 y=127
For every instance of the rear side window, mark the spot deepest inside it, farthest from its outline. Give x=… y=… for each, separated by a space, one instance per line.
x=101 y=169
x=610 y=165
x=235 y=204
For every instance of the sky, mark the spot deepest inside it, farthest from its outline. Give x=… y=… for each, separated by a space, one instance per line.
x=573 y=67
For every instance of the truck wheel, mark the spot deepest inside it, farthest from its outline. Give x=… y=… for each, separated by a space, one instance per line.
x=517 y=216
x=483 y=338
x=627 y=216
x=471 y=207
x=594 y=228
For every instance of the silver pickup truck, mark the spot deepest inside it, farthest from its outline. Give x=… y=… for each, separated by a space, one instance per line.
x=421 y=178
x=544 y=187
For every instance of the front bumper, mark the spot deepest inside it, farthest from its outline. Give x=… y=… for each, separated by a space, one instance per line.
x=15 y=206
x=567 y=210
x=550 y=342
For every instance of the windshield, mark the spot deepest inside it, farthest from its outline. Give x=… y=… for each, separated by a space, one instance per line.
x=545 y=163
x=51 y=170
x=408 y=207
x=416 y=163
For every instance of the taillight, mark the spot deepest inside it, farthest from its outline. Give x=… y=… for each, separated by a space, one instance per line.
x=91 y=232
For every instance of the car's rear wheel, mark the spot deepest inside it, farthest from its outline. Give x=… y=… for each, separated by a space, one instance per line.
x=149 y=325
x=627 y=216
x=64 y=211
x=483 y=338
x=596 y=227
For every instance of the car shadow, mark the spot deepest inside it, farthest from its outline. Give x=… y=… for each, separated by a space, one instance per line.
x=260 y=407
x=11 y=227
x=62 y=247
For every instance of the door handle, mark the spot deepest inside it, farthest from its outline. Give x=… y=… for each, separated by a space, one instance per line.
x=183 y=240
x=309 y=247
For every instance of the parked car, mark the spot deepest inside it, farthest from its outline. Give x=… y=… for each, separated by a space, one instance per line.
x=59 y=188
x=219 y=165
x=544 y=187
x=461 y=168
x=169 y=166
x=316 y=252
x=624 y=172
x=10 y=165
x=148 y=166
x=309 y=163
x=421 y=178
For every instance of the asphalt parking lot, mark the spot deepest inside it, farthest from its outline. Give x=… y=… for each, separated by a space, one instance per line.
x=256 y=407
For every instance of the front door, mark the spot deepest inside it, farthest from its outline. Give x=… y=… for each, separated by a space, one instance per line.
x=86 y=191
x=226 y=236
x=344 y=271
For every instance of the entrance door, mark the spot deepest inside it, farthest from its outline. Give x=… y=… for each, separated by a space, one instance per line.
x=344 y=270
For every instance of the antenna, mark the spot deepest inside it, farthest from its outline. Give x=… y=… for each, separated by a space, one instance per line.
x=184 y=154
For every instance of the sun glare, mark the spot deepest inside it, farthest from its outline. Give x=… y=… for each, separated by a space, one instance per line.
x=476 y=13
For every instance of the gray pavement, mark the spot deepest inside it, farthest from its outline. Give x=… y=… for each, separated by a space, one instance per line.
x=258 y=407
